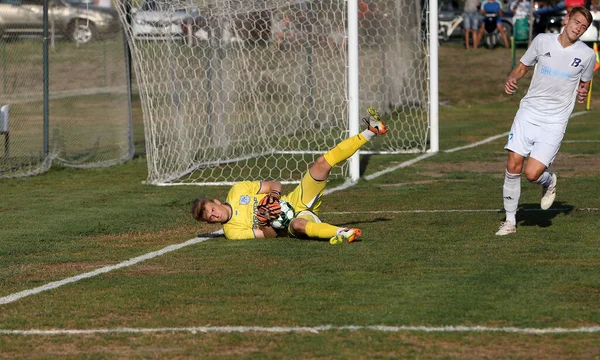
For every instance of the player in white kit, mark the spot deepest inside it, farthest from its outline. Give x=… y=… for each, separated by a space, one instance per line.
x=563 y=70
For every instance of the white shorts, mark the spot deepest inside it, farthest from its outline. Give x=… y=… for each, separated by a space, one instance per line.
x=536 y=141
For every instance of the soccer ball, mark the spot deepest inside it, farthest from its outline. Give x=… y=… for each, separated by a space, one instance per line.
x=285 y=216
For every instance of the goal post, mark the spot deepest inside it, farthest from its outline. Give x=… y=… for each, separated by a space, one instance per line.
x=234 y=90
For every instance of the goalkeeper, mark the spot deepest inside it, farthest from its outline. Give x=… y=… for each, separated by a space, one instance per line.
x=251 y=205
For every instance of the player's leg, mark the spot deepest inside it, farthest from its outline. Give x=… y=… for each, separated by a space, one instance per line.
x=310 y=226
x=322 y=167
x=511 y=192
x=543 y=154
x=307 y=195
x=518 y=147
x=538 y=173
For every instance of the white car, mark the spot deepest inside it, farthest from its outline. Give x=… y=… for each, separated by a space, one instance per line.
x=154 y=21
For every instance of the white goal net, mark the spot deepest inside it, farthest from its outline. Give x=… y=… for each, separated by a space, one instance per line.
x=256 y=89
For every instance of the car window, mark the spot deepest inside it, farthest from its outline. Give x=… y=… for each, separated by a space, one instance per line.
x=33 y=2
x=11 y=2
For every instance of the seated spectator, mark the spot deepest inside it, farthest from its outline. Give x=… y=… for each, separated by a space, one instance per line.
x=493 y=7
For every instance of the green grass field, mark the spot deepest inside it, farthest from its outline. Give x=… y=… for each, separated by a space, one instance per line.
x=429 y=256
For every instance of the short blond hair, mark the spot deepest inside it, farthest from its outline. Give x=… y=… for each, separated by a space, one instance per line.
x=198 y=206
x=583 y=11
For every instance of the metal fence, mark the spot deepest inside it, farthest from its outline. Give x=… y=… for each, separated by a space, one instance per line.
x=64 y=87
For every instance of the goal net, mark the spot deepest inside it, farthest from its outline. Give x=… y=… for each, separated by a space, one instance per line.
x=257 y=89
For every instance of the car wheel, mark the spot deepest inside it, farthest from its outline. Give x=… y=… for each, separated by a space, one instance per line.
x=81 y=31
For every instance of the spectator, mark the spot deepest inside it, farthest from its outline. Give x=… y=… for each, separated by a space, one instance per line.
x=471 y=22
x=520 y=9
x=493 y=7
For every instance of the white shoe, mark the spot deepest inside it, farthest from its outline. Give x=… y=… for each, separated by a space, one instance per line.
x=548 y=194
x=507 y=228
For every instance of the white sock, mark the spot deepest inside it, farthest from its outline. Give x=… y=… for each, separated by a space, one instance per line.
x=511 y=193
x=368 y=134
x=545 y=179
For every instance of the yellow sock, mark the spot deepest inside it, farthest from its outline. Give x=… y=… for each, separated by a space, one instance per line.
x=344 y=150
x=320 y=230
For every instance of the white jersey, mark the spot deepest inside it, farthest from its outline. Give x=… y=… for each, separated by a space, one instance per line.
x=551 y=95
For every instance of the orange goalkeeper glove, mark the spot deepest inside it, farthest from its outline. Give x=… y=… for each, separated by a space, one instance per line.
x=266 y=213
x=270 y=198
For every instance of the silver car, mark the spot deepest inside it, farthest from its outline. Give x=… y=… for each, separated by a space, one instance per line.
x=78 y=20
x=154 y=20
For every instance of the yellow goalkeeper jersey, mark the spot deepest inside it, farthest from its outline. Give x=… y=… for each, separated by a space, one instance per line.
x=243 y=198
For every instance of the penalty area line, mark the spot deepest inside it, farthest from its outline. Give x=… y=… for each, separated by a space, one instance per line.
x=314 y=330
x=105 y=269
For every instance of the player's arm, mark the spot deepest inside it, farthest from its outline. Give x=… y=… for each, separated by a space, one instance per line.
x=582 y=91
x=269 y=186
x=265 y=232
x=517 y=74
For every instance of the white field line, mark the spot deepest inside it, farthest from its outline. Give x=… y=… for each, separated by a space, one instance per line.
x=577 y=114
x=103 y=270
x=484 y=141
x=399 y=166
x=455 y=211
x=315 y=330
x=579 y=141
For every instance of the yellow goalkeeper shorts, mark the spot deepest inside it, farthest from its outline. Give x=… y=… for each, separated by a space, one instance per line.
x=307 y=195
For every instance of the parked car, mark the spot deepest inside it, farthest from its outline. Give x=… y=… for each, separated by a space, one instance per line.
x=154 y=20
x=78 y=20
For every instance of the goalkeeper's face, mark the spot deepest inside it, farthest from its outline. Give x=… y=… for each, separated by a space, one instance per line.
x=215 y=212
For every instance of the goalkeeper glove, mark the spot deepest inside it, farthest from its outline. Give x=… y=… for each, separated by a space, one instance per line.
x=270 y=198
x=266 y=213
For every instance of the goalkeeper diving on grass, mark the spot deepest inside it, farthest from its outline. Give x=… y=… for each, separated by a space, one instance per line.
x=253 y=209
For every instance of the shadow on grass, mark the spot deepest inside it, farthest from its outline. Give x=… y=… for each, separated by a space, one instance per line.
x=364 y=161
x=213 y=235
x=355 y=223
x=532 y=215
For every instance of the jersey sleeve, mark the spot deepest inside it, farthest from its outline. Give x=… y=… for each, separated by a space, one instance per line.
x=588 y=71
x=530 y=57
x=239 y=234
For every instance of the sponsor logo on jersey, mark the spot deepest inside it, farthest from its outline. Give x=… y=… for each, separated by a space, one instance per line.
x=555 y=73
x=547 y=54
